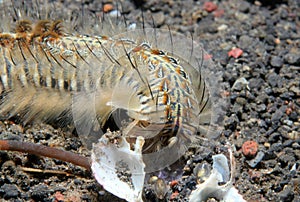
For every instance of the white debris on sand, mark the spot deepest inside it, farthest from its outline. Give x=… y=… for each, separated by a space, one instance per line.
x=119 y=169
x=211 y=188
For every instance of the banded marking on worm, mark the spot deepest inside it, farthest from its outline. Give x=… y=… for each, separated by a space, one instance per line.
x=44 y=67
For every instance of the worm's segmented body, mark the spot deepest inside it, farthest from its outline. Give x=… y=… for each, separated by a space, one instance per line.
x=42 y=68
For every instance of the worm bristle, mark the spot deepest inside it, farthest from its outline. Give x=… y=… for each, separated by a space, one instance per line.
x=85 y=66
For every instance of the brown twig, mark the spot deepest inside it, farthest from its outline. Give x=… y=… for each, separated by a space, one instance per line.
x=41 y=150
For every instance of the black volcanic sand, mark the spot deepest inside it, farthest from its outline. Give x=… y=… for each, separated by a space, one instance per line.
x=266 y=111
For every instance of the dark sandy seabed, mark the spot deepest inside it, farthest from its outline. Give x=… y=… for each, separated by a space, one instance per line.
x=268 y=33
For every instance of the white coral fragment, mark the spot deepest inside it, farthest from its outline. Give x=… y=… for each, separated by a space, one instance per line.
x=211 y=187
x=241 y=81
x=119 y=169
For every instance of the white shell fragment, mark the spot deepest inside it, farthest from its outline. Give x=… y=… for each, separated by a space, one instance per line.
x=119 y=169
x=211 y=187
x=241 y=81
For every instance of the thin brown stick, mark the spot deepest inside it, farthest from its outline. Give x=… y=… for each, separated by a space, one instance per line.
x=41 y=150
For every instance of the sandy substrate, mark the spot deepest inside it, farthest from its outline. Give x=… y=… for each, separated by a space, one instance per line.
x=265 y=110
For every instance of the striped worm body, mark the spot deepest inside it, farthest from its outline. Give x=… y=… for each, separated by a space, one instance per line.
x=47 y=73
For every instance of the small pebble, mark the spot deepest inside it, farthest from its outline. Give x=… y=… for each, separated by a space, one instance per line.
x=277 y=115
x=274 y=79
x=276 y=147
x=210 y=6
x=267 y=144
x=59 y=196
x=9 y=191
x=40 y=192
x=107 y=8
x=259 y=157
x=173 y=183
x=241 y=16
x=174 y=195
x=115 y=13
x=276 y=61
x=245 y=41
x=292 y=58
x=249 y=149
x=286 y=158
x=77 y=182
x=235 y=53
x=286 y=194
x=222 y=27
x=244 y=6
x=288 y=122
x=219 y=13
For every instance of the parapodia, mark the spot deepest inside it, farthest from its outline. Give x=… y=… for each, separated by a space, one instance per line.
x=48 y=72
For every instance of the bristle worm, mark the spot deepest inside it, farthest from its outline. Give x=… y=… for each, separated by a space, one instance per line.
x=85 y=78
